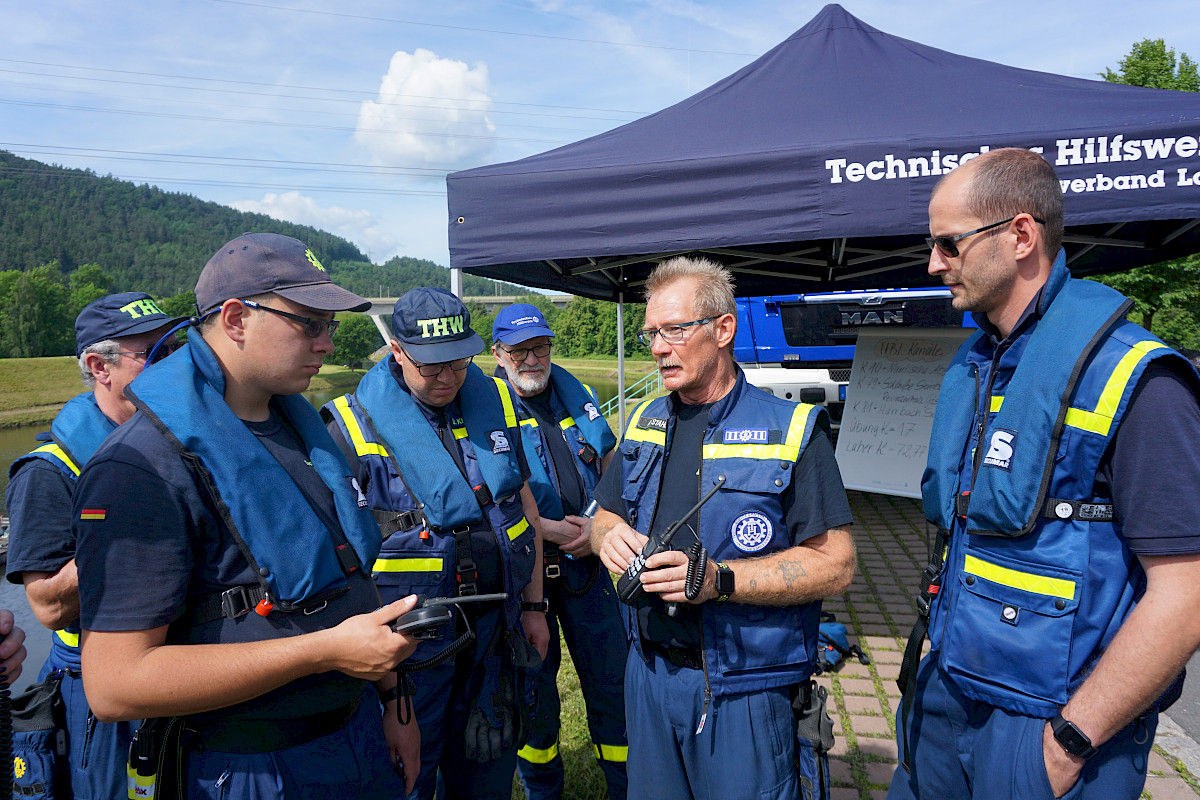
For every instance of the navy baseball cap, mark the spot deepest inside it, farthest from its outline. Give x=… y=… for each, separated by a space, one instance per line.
x=257 y=263
x=434 y=326
x=518 y=323
x=117 y=315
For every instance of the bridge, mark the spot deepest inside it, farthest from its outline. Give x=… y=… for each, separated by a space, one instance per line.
x=380 y=311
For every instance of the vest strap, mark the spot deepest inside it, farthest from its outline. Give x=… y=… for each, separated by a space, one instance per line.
x=466 y=572
x=932 y=585
x=229 y=604
x=1074 y=510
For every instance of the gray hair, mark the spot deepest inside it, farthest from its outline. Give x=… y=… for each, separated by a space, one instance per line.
x=107 y=349
x=1013 y=181
x=714 y=283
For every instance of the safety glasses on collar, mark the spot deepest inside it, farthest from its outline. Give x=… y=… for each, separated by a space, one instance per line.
x=430 y=370
x=312 y=327
x=949 y=244
x=671 y=334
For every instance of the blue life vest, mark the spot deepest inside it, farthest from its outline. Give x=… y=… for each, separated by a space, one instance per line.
x=1037 y=578
x=260 y=504
x=417 y=492
x=755 y=440
x=576 y=407
x=75 y=434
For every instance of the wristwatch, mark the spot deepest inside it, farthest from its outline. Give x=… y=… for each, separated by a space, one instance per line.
x=542 y=605
x=724 y=582
x=1073 y=740
x=387 y=695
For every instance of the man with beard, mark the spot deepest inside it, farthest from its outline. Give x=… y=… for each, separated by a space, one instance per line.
x=1061 y=481
x=568 y=445
x=714 y=673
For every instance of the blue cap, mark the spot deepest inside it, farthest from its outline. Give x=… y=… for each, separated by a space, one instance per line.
x=434 y=326
x=257 y=263
x=117 y=315
x=518 y=323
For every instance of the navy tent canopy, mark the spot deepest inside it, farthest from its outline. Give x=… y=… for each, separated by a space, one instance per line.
x=810 y=169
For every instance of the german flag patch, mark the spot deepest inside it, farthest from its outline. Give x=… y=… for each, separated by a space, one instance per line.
x=95 y=514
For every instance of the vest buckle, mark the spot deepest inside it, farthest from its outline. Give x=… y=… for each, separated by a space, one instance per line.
x=552 y=560
x=962 y=502
x=236 y=602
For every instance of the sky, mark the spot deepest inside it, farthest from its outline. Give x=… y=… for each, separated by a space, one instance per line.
x=348 y=115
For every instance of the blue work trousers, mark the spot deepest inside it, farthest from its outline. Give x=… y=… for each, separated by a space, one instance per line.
x=747 y=748
x=351 y=762
x=595 y=636
x=97 y=751
x=962 y=748
x=445 y=698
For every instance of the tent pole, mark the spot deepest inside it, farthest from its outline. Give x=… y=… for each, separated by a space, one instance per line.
x=620 y=361
x=456 y=283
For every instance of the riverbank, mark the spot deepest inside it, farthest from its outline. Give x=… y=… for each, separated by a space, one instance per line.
x=32 y=390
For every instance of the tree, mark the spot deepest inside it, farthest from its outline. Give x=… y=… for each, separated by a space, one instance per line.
x=1166 y=295
x=356 y=339
x=38 y=321
x=179 y=305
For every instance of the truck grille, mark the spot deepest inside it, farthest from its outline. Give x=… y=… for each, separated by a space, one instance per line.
x=839 y=375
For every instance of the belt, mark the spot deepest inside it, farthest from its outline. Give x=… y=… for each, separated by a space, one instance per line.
x=267 y=735
x=677 y=656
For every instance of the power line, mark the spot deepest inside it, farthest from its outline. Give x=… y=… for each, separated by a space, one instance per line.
x=484 y=30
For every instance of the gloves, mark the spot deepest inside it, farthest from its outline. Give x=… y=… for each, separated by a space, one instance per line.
x=488 y=736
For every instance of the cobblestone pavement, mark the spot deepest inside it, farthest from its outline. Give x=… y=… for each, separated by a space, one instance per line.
x=879 y=612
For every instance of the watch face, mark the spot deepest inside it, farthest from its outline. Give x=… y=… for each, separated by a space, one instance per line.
x=724 y=580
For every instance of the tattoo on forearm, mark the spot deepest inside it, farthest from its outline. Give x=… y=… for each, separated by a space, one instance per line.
x=791 y=572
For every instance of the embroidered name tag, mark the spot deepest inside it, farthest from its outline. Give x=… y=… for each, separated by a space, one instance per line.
x=652 y=424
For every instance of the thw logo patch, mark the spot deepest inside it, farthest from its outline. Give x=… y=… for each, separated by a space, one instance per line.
x=592 y=413
x=500 y=442
x=1000 y=449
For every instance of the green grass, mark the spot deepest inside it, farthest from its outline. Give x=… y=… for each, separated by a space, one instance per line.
x=32 y=390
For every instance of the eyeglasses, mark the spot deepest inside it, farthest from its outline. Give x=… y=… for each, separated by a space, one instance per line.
x=165 y=348
x=671 y=334
x=519 y=354
x=949 y=244
x=312 y=327
x=430 y=370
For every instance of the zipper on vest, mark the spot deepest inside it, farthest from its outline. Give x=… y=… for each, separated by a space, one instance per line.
x=703 y=648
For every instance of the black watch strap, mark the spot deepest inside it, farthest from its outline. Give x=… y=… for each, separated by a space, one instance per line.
x=387 y=695
x=1073 y=740
x=725 y=582
x=542 y=605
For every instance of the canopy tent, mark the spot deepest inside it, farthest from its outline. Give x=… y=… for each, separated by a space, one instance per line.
x=810 y=169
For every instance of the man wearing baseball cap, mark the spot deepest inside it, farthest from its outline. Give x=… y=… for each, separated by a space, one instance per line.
x=113 y=337
x=436 y=449
x=568 y=445
x=223 y=555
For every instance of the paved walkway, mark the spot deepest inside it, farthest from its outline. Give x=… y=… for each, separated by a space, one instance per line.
x=879 y=612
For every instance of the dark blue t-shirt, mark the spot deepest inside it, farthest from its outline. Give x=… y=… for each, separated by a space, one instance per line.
x=38 y=500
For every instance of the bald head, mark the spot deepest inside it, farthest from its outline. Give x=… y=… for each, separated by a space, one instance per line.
x=1003 y=183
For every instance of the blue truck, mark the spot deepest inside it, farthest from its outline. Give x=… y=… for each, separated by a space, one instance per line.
x=801 y=346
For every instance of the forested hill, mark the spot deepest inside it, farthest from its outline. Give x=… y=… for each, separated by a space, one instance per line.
x=154 y=241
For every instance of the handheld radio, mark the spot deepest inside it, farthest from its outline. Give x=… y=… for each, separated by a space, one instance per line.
x=629 y=586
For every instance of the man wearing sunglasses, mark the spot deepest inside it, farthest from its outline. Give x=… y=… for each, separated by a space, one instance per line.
x=224 y=557
x=1062 y=482
x=112 y=338
x=568 y=445
x=715 y=672
x=436 y=449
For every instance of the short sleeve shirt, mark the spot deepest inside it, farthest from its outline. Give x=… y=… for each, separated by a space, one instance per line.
x=38 y=500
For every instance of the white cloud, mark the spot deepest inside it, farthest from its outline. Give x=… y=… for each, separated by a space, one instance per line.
x=429 y=110
x=357 y=225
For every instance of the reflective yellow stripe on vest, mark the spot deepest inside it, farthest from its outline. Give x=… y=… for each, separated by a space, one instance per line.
x=535 y=755
x=361 y=446
x=611 y=752
x=1025 y=581
x=1100 y=419
x=531 y=421
x=407 y=565
x=67 y=638
x=510 y=413
x=997 y=403
x=518 y=529
x=634 y=434
x=53 y=449
x=788 y=451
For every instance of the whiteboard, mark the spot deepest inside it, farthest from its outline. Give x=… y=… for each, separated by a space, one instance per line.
x=890 y=400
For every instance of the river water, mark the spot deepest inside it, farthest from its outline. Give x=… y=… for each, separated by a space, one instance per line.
x=16 y=442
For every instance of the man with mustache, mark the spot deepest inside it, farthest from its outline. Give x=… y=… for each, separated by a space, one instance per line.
x=568 y=445
x=1061 y=482
x=714 y=674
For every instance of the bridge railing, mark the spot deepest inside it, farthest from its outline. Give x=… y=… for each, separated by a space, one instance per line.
x=644 y=387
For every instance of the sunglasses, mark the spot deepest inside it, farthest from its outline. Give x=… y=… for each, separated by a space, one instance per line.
x=159 y=350
x=312 y=327
x=949 y=244
x=430 y=370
